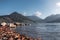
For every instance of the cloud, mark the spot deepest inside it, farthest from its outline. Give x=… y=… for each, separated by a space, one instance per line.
x=24 y=13
x=58 y=4
x=38 y=13
x=56 y=11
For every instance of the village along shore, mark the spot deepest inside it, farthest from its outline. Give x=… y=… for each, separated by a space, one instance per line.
x=7 y=34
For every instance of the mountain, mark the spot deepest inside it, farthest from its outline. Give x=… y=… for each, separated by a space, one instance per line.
x=52 y=18
x=35 y=18
x=49 y=19
x=15 y=17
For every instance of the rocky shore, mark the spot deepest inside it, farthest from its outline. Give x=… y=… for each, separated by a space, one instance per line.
x=7 y=34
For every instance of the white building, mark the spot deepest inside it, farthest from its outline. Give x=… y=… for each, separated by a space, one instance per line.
x=12 y=25
x=3 y=23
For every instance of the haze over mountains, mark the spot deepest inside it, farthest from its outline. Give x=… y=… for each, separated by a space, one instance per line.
x=49 y=19
x=17 y=17
x=35 y=18
x=53 y=18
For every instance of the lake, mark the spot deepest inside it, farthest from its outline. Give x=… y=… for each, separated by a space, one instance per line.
x=47 y=31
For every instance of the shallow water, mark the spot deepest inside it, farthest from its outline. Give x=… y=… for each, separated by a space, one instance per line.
x=47 y=31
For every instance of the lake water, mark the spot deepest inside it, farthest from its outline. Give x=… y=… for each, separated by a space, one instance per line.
x=47 y=31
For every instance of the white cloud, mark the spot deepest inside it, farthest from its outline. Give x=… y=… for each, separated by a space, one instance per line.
x=56 y=11
x=38 y=13
x=24 y=13
x=58 y=4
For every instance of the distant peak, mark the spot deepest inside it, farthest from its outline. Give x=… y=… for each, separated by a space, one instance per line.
x=14 y=13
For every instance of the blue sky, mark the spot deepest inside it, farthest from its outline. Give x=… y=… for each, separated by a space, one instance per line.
x=40 y=8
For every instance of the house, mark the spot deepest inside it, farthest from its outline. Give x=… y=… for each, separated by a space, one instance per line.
x=3 y=23
x=11 y=25
x=17 y=23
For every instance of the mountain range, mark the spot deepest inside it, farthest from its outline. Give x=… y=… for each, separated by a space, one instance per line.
x=35 y=18
x=49 y=19
x=17 y=17
x=52 y=19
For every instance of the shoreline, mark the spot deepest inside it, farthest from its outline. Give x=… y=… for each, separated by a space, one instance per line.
x=6 y=33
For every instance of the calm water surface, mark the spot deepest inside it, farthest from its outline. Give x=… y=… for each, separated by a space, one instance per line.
x=47 y=31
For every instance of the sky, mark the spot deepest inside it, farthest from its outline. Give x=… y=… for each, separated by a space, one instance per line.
x=39 y=8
